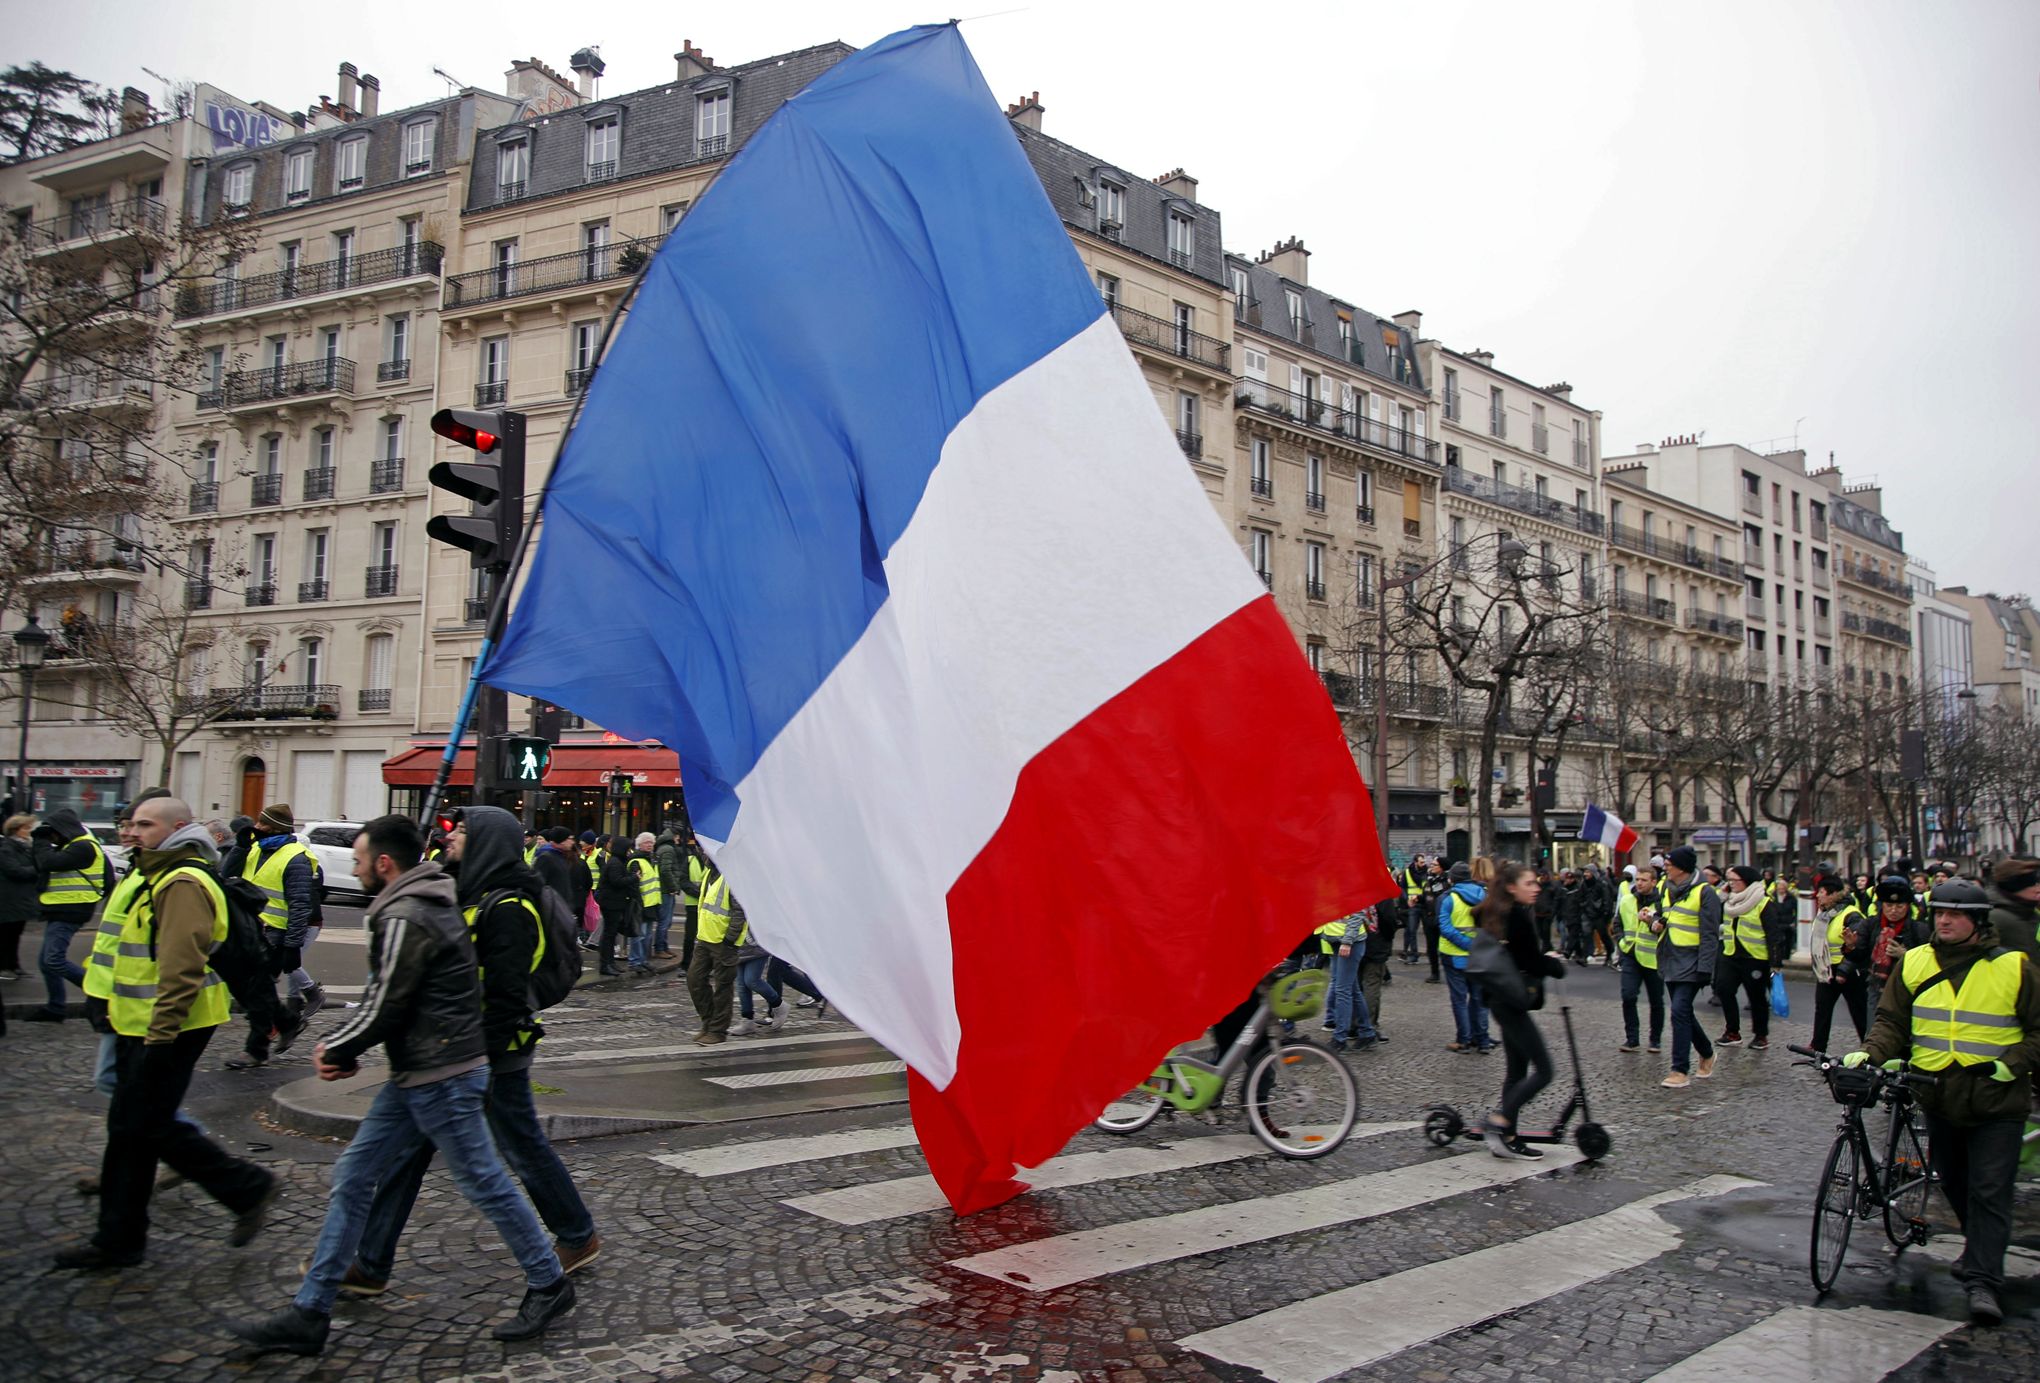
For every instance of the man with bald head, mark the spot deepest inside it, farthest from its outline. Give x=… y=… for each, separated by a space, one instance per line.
x=165 y=1003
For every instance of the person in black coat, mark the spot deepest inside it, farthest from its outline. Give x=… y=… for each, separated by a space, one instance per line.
x=1507 y=915
x=616 y=894
x=1386 y=919
x=559 y=866
x=18 y=891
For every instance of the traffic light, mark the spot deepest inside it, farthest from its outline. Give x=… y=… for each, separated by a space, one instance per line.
x=493 y=483
x=524 y=761
x=1547 y=788
x=548 y=721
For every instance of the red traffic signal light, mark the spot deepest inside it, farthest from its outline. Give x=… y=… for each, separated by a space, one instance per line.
x=447 y=423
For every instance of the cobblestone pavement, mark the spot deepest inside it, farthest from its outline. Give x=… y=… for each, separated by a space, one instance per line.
x=1625 y=1268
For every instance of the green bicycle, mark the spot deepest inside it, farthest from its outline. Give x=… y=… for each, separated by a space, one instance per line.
x=1300 y=1098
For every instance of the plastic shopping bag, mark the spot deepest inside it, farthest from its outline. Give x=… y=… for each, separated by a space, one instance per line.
x=1781 y=1006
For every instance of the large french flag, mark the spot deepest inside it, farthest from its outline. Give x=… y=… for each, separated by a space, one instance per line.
x=1609 y=830
x=871 y=515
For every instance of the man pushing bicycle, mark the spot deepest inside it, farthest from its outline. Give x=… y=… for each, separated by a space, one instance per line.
x=1967 y=1010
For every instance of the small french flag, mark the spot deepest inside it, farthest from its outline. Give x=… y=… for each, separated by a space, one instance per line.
x=1609 y=830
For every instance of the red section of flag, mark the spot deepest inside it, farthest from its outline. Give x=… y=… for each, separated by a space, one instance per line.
x=1156 y=861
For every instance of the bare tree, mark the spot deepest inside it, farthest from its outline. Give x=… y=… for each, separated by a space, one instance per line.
x=2008 y=750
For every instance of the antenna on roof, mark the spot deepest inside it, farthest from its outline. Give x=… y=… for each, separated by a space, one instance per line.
x=453 y=83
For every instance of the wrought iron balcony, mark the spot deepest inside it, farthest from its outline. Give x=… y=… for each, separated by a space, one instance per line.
x=1460 y=481
x=1644 y=541
x=265 y=490
x=89 y=554
x=1314 y=590
x=577 y=380
x=606 y=168
x=1411 y=700
x=297 y=701
x=1164 y=337
x=1642 y=606
x=319 y=483
x=205 y=497
x=372 y=699
x=1192 y=443
x=1263 y=486
x=1721 y=625
x=310 y=280
x=391 y=371
x=1322 y=415
x=386 y=475
x=260 y=593
x=136 y=214
x=492 y=393
x=197 y=593
x=96 y=389
x=475 y=609
x=308 y=591
x=1877 y=628
x=380 y=581
x=1875 y=580
x=282 y=383
x=551 y=274
x=1314 y=500
x=1365 y=513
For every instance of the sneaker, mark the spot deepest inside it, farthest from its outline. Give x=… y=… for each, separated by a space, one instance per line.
x=805 y=1001
x=1675 y=1081
x=708 y=1039
x=573 y=1259
x=1729 y=1039
x=1528 y=1152
x=1703 y=1069
x=292 y=1330
x=778 y=1013
x=1983 y=1305
x=662 y=955
x=89 y=1257
x=1337 y=1044
x=290 y=1031
x=1629 y=1047
x=1497 y=1140
x=43 y=1015
x=247 y=1061
x=743 y=1027
x=540 y=1308
x=1487 y=1048
x=1654 y=1049
x=1760 y=1044
x=248 y=1223
x=354 y=1282
x=315 y=999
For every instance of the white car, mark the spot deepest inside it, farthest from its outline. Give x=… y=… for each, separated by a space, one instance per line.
x=332 y=845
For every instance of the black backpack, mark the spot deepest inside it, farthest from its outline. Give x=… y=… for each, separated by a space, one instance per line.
x=558 y=967
x=243 y=957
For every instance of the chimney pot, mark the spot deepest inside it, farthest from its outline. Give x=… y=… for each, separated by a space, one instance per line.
x=1178 y=183
x=1027 y=111
x=134 y=108
x=371 y=95
x=691 y=62
x=346 y=95
x=1411 y=321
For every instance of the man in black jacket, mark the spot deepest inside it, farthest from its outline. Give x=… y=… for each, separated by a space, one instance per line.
x=1387 y=918
x=499 y=898
x=74 y=878
x=557 y=863
x=423 y=1004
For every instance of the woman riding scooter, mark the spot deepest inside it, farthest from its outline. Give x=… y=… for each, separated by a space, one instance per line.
x=1506 y=915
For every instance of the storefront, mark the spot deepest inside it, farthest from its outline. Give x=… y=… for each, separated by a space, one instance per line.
x=581 y=791
x=1416 y=826
x=93 y=790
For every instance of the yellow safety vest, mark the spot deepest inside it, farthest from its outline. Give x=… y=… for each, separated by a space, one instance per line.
x=715 y=913
x=1837 y=925
x=525 y=1038
x=530 y=854
x=67 y=887
x=1637 y=939
x=1413 y=885
x=594 y=863
x=648 y=889
x=98 y=981
x=133 y=1002
x=1982 y=1022
x=266 y=873
x=1682 y=919
x=697 y=872
x=1746 y=934
x=1462 y=918
x=1332 y=935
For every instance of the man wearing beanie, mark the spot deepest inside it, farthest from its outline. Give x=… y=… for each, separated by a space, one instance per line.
x=285 y=870
x=1687 y=953
x=2014 y=894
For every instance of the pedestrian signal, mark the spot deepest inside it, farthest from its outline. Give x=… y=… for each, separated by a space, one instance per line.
x=525 y=761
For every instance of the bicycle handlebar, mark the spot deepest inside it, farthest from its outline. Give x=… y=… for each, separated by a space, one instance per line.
x=1815 y=1053
x=1921 y=1080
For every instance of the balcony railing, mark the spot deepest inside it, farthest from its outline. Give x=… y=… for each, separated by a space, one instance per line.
x=1192 y=444
x=319 y=483
x=90 y=554
x=265 y=490
x=1263 y=486
x=1322 y=415
x=1753 y=607
x=1644 y=541
x=310 y=280
x=492 y=393
x=281 y=382
x=1314 y=500
x=88 y=388
x=292 y=702
x=386 y=475
x=1642 y=606
x=1752 y=504
x=197 y=593
x=1722 y=625
x=391 y=371
x=1365 y=513
x=1158 y=334
x=260 y=593
x=1753 y=555
x=205 y=497
x=1822 y=581
x=93 y=222
x=1877 y=629
x=1314 y=590
x=577 y=380
x=1875 y=580
x=372 y=699
x=1461 y=481
x=1823 y=627
x=308 y=591
x=380 y=581
x=1820 y=529
x=1411 y=699
x=616 y=260
x=475 y=609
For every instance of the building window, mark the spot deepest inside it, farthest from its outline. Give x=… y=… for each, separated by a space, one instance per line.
x=712 y=124
x=1314 y=570
x=1239 y=289
x=595 y=250
x=318 y=545
x=349 y=164
x=1186 y=323
x=506 y=268
x=1182 y=240
x=1497 y=417
x=581 y=355
x=1108 y=289
x=255 y=664
x=1314 y=483
x=1261 y=556
x=322 y=449
x=604 y=138
x=343 y=257
x=208 y=463
x=1364 y=578
x=669 y=217
x=1294 y=302
x=237 y=187
x=1111 y=209
x=1365 y=488
x=1260 y=480
x=398 y=351
x=418 y=148
x=297 y=176
x=393 y=439
x=311 y=661
x=379 y=668
x=513 y=166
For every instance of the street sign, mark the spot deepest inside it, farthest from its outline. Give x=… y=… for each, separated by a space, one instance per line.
x=526 y=760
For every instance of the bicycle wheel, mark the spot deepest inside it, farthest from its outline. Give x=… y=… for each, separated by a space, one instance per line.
x=1907 y=1185
x=1131 y=1112
x=1301 y=1100
x=1834 y=1212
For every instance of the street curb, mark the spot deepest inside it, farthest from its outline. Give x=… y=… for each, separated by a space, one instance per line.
x=294 y=1112
x=593 y=978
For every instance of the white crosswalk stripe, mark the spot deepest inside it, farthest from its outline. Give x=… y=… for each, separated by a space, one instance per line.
x=755 y=1080
x=574 y=1051
x=1042 y=1265
x=1356 y=1326
x=730 y=1158
x=1808 y=1342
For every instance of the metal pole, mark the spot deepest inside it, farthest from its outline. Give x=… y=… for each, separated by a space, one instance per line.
x=24 y=799
x=1381 y=719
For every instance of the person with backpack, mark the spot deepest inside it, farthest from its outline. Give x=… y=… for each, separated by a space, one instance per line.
x=75 y=876
x=502 y=902
x=287 y=872
x=164 y=1004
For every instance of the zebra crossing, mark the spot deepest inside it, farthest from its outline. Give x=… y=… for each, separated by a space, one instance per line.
x=1344 y=1330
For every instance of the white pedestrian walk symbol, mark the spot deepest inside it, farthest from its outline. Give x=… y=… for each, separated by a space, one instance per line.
x=529 y=768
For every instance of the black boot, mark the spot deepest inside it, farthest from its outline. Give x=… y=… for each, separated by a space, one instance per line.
x=293 y=1330
x=89 y=1256
x=541 y=1306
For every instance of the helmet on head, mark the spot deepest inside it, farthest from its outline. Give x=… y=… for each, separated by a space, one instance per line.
x=1960 y=895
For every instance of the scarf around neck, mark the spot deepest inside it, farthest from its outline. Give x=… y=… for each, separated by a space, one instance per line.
x=1747 y=900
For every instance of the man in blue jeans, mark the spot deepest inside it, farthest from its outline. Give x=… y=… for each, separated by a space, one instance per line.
x=1346 y=940
x=1455 y=940
x=423 y=1004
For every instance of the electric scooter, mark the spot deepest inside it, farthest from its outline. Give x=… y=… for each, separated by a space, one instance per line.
x=1444 y=1123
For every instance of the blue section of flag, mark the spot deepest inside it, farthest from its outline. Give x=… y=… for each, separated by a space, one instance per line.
x=877 y=258
x=1595 y=824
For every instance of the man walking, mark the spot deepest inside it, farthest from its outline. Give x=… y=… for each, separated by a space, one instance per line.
x=1455 y=940
x=163 y=1004
x=671 y=856
x=1344 y=941
x=288 y=874
x=712 y=974
x=73 y=870
x=1388 y=915
x=499 y=900
x=1687 y=952
x=1842 y=945
x=1638 y=921
x=1412 y=882
x=423 y=1004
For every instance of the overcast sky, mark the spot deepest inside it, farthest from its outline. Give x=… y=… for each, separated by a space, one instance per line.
x=1756 y=220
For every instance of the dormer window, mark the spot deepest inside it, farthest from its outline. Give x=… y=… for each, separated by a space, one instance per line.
x=1182 y=240
x=418 y=148
x=513 y=167
x=237 y=187
x=712 y=123
x=350 y=166
x=1294 y=301
x=297 y=177
x=1111 y=210
x=605 y=138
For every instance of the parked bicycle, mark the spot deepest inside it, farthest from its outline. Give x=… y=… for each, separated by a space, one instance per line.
x=1856 y=1183
x=1300 y=1099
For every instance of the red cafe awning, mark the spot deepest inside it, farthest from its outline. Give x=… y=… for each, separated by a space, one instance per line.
x=573 y=766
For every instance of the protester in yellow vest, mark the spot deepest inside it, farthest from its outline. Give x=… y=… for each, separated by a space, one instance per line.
x=1967 y=1010
x=288 y=874
x=165 y=1004
x=1842 y=942
x=712 y=976
x=1687 y=951
x=73 y=868
x=1636 y=914
x=1745 y=966
x=651 y=902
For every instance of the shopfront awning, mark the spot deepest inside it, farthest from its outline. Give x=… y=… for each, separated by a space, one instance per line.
x=573 y=766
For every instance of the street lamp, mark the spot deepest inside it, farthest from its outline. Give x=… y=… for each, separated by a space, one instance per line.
x=1509 y=554
x=31 y=641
